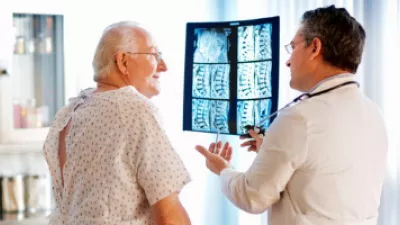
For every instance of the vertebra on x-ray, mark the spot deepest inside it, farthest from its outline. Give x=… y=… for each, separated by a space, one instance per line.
x=262 y=84
x=201 y=81
x=201 y=115
x=220 y=81
x=219 y=116
x=245 y=43
x=262 y=37
x=262 y=109
x=245 y=115
x=245 y=80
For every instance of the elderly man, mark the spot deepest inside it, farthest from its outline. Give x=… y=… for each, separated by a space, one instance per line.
x=322 y=161
x=109 y=157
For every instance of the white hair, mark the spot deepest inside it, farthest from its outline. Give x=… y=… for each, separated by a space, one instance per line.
x=117 y=37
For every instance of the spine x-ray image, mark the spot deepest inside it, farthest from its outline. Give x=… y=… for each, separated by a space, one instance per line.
x=201 y=81
x=245 y=115
x=254 y=80
x=220 y=81
x=262 y=36
x=254 y=42
x=262 y=85
x=245 y=43
x=211 y=45
x=201 y=115
x=252 y=113
x=210 y=115
x=231 y=75
x=219 y=116
x=245 y=80
x=211 y=80
x=262 y=109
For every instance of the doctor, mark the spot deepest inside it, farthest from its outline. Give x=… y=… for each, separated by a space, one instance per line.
x=322 y=161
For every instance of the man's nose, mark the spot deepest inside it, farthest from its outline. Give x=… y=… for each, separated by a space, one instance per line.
x=162 y=66
x=288 y=63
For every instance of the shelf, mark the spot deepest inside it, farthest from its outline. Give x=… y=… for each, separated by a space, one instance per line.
x=25 y=136
x=34 y=147
x=25 y=141
x=31 y=220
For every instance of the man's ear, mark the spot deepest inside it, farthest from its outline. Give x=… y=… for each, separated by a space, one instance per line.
x=316 y=47
x=121 y=62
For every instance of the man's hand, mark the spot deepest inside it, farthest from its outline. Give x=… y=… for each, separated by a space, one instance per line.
x=254 y=144
x=218 y=161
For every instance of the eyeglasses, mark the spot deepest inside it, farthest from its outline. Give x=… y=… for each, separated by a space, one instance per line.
x=158 y=55
x=289 y=47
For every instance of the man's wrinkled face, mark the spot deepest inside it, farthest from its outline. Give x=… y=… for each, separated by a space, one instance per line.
x=144 y=65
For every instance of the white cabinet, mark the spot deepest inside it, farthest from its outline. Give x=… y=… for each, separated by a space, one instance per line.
x=32 y=70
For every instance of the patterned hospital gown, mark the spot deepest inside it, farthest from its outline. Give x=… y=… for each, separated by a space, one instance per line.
x=119 y=160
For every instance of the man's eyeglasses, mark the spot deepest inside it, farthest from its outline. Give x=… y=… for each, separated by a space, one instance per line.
x=158 y=55
x=289 y=48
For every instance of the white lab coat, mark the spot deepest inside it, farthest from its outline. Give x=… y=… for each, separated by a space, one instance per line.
x=322 y=162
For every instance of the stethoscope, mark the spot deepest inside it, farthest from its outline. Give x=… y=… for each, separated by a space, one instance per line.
x=301 y=97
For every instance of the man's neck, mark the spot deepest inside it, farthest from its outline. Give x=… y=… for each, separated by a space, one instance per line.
x=323 y=75
x=106 y=87
x=108 y=84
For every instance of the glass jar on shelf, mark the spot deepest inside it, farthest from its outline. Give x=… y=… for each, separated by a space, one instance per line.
x=28 y=115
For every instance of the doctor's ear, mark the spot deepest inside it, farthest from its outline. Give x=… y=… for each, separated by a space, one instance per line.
x=316 y=46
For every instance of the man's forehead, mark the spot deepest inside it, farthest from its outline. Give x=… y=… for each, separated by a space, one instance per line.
x=147 y=43
x=144 y=38
x=298 y=35
x=150 y=47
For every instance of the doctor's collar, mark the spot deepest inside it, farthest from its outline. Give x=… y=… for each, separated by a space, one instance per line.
x=338 y=76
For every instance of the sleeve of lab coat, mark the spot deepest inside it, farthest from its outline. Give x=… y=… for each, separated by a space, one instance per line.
x=282 y=151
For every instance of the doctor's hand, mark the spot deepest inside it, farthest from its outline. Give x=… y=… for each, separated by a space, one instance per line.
x=254 y=143
x=218 y=161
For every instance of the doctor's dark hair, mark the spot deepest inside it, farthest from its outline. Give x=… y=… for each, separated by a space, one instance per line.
x=342 y=37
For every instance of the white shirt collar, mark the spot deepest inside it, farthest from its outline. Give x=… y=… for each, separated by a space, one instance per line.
x=332 y=81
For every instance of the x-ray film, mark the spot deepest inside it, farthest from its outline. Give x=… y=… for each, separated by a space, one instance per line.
x=246 y=43
x=262 y=109
x=245 y=115
x=262 y=39
x=201 y=115
x=254 y=42
x=262 y=79
x=211 y=81
x=245 y=80
x=211 y=45
x=231 y=75
x=253 y=112
x=210 y=115
x=201 y=81
x=219 y=116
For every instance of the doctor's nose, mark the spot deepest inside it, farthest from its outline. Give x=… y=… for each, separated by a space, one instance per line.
x=288 y=63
